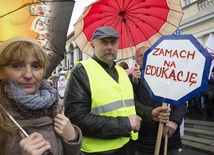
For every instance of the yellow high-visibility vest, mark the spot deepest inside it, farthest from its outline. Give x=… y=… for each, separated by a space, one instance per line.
x=109 y=98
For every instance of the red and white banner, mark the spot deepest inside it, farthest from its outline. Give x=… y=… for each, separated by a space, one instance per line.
x=209 y=46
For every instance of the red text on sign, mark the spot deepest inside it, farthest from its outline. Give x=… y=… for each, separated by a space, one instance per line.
x=167 y=73
x=174 y=53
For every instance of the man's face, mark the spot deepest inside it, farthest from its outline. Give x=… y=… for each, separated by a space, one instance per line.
x=106 y=49
x=139 y=55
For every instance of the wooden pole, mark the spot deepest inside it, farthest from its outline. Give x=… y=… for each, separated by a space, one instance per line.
x=166 y=144
x=159 y=135
x=166 y=139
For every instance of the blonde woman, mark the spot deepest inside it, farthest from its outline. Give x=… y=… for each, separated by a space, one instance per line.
x=30 y=99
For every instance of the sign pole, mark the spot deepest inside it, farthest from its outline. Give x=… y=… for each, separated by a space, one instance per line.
x=166 y=144
x=166 y=139
x=159 y=135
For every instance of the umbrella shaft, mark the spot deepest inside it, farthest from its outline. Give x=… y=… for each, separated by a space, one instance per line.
x=20 y=128
x=129 y=39
x=13 y=120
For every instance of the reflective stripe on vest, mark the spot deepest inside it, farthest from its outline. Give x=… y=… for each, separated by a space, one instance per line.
x=111 y=106
x=109 y=98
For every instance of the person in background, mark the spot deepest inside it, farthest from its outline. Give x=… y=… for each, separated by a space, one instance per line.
x=99 y=99
x=33 y=103
x=145 y=145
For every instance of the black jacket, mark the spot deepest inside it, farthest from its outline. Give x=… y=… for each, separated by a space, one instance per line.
x=78 y=105
x=148 y=131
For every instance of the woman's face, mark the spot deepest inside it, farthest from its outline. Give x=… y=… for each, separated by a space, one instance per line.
x=27 y=74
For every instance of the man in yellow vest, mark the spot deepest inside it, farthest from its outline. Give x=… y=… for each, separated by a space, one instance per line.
x=99 y=99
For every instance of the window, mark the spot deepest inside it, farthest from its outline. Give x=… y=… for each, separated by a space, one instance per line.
x=186 y=2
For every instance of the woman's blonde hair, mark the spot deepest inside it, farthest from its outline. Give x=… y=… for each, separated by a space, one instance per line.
x=17 y=51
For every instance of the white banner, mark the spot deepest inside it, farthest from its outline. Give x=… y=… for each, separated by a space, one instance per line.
x=209 y=46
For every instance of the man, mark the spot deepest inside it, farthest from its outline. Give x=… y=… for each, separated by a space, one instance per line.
x=99 y=99
x=145 y=145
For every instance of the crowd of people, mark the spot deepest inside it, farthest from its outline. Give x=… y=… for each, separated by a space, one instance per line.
x=105 y=111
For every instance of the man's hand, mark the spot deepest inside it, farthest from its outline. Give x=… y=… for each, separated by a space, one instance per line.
x=135 y=122
x=161 y=114
x=170 y=128
x=136 y=73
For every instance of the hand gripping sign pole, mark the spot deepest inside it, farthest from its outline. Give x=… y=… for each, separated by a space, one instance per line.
x=159 y=136
x=48 y=152
x=160 y=127
x=181 y=61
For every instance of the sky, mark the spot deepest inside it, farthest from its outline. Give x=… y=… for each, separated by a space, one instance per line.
x=78 y=8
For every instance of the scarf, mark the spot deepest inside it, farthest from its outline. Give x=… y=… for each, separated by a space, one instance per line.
x=43 y=98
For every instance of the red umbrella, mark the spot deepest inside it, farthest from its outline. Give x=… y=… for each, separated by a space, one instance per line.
x=139 y=22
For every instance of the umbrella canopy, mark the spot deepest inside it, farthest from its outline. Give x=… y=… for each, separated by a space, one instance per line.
x=139 y=22
x=45 y=20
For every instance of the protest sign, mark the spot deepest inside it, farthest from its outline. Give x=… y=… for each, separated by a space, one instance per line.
x=61 y=85
x=175 y=69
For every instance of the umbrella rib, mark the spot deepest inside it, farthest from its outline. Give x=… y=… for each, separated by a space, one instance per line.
x=27 y=4
x=58 y=53
x=131 y=17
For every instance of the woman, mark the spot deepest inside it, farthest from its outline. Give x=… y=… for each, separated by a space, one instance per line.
x=30 y=99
